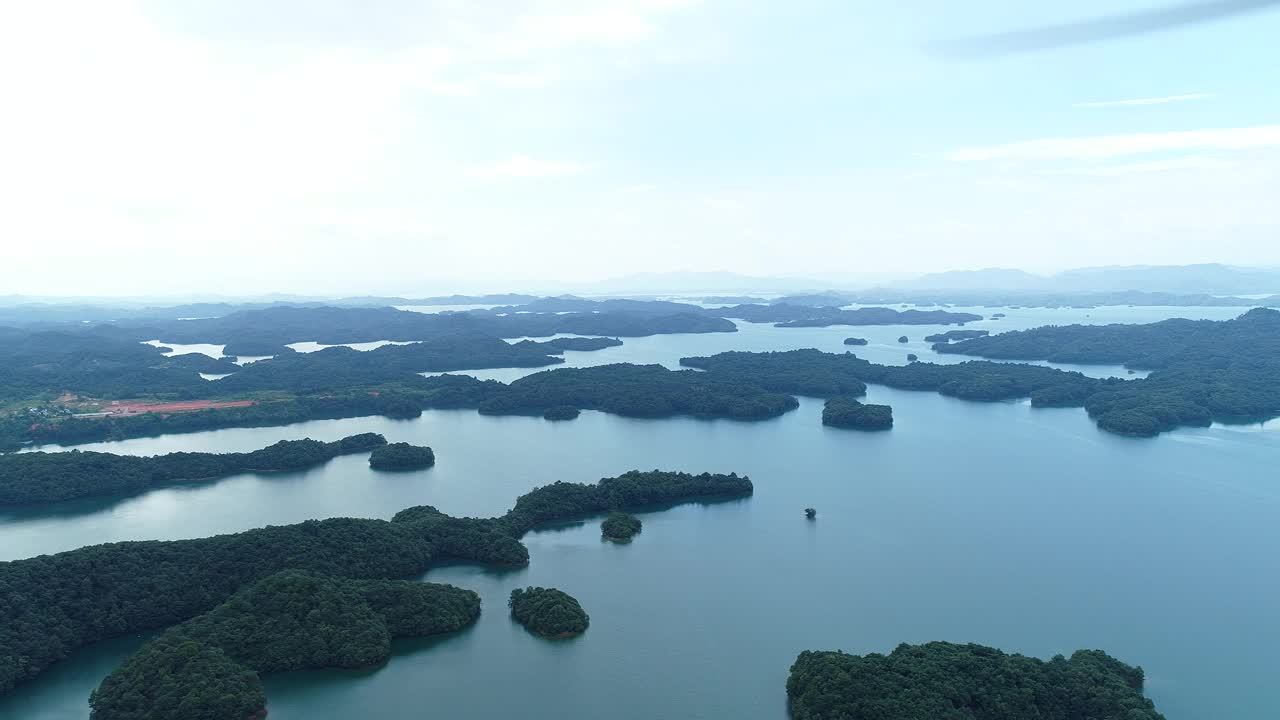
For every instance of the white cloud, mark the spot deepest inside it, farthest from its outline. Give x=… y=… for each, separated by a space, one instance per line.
x=523 y=167
x=1187 y=162
x=1101 y=147
x=1138 y=102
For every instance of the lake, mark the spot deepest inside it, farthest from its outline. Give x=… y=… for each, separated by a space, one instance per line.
x=997 y=523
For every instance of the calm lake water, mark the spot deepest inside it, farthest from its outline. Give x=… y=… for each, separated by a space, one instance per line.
x=1002 y=524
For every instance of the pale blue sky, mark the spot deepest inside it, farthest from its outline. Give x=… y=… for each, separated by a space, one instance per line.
x=438 y=146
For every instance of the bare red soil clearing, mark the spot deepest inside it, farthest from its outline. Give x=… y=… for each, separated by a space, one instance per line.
x=125 y=407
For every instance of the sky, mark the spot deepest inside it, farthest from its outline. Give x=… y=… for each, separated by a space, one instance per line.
x=434 y=146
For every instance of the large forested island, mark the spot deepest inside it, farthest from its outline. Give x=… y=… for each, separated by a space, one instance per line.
x=208 y=667
x=1202 y=370
x=40 y=477
x=54 y=604
x=548 y=612
x=939 y=680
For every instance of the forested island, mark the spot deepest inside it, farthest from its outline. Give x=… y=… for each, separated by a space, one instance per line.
x=620 y=527
x=847 y=412
x=950 y=335
x=41 y=477
x=557 y=346
x=209 y=666
x=548 y=612
x=402 y=456
x=797 y=316
x=55 y=604
x=1202 y=370
x=855 y=341
x=945 y=680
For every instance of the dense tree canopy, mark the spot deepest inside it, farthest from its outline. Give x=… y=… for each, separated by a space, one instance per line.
x=40 y=477
x=945 y=681
x=402 y=456
x=1202 y=370
x=548 y=612
x=855 y=341
x=620 y=526
x=54 y=604
x=847 y=412
x=557 y=346
x=638 y=391
x=207 y=667
x=950 y=335
x=803 y=372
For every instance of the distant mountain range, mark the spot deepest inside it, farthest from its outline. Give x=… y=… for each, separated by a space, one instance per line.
x=1212 y=279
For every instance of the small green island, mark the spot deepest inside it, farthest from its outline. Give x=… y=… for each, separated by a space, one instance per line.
x=402 y=456
x=903 y=339
x=950 y=335
x=561 y=412
x=855 y=341
x=620 y=527
x=849 y=413
x=946 y=680
x=548 y=612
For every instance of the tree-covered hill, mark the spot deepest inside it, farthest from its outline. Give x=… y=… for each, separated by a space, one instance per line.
x=945 y=681
x=208 y=667
x=548 y=612
x=54 y=604
x=402 y=456
x=41 y=477
x=846 y=412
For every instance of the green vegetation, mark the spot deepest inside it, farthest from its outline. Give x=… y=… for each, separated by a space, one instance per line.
x=557 y=346
x=943 y=680
x=803 y=372
x=620 y=526
x=548 y=612
x=846 y=412
x=39 y=477
x=912 y=357
x=402 y=456
x=1202 y=370
x=207 y=668
x=638 y=391
x=951 y=335
x=903 y=339
x=561 y=412
x=855 y=341
x=54 y=604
